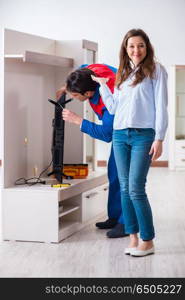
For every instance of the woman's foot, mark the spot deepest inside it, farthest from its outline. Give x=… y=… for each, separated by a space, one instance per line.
x=132 y=245
x=144 y=248
x=145 y=245
x=133 y=241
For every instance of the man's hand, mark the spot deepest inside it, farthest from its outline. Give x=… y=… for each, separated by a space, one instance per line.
x=100 y=80
x=156 y=149
x=71 y=117
x=60 y=92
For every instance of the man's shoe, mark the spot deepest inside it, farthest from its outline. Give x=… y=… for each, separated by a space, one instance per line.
x=117 y=232
x=109 y=223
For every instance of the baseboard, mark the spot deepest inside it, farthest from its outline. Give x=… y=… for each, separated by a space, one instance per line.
x=101 y=163
x=157 y=163
x=160 y=163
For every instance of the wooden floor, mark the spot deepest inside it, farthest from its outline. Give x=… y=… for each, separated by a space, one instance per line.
x=90 y=254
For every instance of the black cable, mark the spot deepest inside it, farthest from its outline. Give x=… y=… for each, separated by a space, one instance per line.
x=22 y=180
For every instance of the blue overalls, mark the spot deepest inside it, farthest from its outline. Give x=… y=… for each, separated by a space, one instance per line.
x=104 y=133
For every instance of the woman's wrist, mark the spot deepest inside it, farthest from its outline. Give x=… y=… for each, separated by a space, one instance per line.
x=78 y=121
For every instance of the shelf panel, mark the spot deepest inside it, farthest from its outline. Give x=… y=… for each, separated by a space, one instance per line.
x=48 y=59
x=68 y=210
x=68 y=228
x=15 y=56
x=41 y=58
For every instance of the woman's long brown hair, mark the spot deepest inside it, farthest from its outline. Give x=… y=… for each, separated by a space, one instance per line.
x=146 y=67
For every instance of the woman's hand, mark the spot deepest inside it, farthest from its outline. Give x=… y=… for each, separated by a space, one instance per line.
x=100 y=80
x=60 y=92
x=71 y=117
x=156 y=149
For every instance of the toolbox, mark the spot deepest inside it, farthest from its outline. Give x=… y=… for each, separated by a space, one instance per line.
x=77 y=171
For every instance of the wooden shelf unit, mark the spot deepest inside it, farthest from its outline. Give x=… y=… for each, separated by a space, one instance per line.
x=34 y=69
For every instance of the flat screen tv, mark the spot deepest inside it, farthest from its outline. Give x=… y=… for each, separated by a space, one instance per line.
x=57 y=147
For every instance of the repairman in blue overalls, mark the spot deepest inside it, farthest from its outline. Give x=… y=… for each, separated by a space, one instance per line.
x=80 y=86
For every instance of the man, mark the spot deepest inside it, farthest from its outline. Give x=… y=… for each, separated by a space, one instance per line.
x=80 y=86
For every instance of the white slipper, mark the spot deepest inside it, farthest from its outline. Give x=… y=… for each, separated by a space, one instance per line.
x=135 y=252
x=129 y=250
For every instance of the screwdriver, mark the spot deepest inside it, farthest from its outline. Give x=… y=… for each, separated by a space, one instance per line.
x=61 y=185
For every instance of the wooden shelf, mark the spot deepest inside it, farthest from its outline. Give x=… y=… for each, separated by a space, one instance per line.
x=15 y=56
x=68 y=228
x=41 y=58
x=68 y=210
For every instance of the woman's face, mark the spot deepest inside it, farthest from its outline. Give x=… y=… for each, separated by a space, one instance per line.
x=136 y=49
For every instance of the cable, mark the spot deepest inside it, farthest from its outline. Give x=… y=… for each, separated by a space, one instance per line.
x=22 y=180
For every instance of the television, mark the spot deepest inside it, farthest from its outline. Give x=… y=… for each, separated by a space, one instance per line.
x=57 y=147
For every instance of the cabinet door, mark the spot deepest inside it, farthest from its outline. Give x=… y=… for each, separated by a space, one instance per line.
x=104 y=189
x=94 y=202
x=180 y=153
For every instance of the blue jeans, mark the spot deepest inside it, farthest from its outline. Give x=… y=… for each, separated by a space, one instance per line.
x=114 y=197
x=131 y=149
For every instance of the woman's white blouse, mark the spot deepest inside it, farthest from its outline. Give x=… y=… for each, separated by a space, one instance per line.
x=141 y=106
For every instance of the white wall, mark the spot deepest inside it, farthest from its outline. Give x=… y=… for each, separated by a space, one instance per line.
x=106 y=22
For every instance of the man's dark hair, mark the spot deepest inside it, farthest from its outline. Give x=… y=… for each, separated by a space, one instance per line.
x=80 y=81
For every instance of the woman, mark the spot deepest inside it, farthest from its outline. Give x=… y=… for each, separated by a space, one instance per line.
x=139 y=103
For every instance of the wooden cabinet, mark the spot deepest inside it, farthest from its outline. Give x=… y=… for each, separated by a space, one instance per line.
x=34 y=68
x=177 y=118
x=46 y=214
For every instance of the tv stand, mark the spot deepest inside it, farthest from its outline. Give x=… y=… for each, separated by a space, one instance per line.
x=45 y=214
